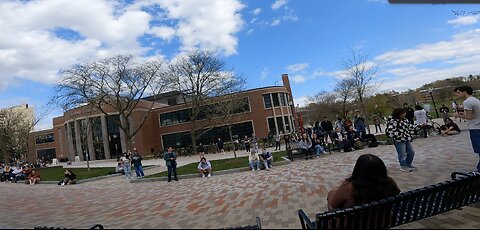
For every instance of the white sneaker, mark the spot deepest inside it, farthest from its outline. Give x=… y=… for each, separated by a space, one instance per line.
x=63 y=184
x=209 y=175
x=203 y=175
x=258 y=169
x=318 y=157
x=341 y=150
x=253 y=170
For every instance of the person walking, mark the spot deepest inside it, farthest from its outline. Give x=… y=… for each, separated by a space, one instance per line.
x=400 y=130
x=170 y=158
x=471 y=106
x=137 y=164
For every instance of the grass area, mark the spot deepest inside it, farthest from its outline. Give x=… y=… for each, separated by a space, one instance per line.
x=219 y=165
x=57 y=173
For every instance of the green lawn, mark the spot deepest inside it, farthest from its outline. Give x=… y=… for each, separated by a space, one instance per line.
x=219 y=165
x=57 y=173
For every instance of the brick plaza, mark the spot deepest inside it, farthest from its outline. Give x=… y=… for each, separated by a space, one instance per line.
x=233 y=199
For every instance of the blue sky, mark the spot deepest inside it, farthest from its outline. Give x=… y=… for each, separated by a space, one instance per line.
x=262 y=40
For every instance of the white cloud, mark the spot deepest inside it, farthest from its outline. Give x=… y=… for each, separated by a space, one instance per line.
x=257 y=11
x=30 y=47
x=299 y=79
x=275 y=22
x=465 y=20
x=301 y=102
x=164 y=32
x=278 y=3
x=297 y=67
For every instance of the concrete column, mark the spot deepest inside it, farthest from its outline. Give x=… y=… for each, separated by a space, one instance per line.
x=281 y=95
x=122 y=136
x=274 y=115
x=78 y=139
x=91 y=148
x=106 y=141
x=71 y=150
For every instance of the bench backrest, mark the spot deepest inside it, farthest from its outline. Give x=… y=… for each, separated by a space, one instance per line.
x=404 y=208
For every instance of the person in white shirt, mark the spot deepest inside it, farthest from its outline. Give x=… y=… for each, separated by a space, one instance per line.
x=471 y=112
x=421 y=119
x=254 y=159
x=205 y=168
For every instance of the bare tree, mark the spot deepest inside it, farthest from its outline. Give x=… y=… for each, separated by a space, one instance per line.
x=113 y=84
x=200 y=76
x=323 y=104
x=231 y=107
x=344 y=89
x=362 y=73
x=16 y=125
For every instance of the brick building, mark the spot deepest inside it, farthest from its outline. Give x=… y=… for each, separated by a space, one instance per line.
x=269 y=110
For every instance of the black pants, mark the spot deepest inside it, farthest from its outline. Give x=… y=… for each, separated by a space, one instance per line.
x=307 y=153
x=170 y=169
x=277 y=145
x=377 y=127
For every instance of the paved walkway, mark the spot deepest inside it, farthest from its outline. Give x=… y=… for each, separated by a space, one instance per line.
x=234 y=199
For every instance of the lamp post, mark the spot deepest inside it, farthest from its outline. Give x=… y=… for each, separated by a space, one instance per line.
x=433 y=100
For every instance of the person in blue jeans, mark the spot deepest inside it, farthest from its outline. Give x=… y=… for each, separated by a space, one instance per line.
x=170 y=158
x=401 y=131
x=318 y=145
x=137 y=164
x=471 y=112
x=127 y=165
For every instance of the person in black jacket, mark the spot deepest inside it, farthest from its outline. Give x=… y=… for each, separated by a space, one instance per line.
x=201 y=151
x=410 y=113
x=70 y=178
x=327 y=127
x=444 y=110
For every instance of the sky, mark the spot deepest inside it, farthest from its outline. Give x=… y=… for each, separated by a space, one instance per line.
x=413 y=44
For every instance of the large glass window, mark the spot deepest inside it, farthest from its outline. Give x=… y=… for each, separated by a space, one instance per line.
x=97 y=136
x=44 y=138
x=271 y=125
x=74 y=139
x=113 y=131
x=276 y=100
x=183 y=139
x=46 y=154
x=283 y=100
x=287 y=124
x=280 y=124
x=267 y=100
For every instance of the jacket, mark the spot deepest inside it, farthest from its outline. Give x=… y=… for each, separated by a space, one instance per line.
x=400 y=130
x=170 y=162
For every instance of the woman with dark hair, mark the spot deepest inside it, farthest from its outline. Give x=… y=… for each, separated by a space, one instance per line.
x=369 y=182
x=400 y=130
x=450 y=128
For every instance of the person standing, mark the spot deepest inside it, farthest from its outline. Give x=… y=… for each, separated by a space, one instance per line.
x=360 y=124
x=444 y=110
x=339 y=124
x=327 y=127
x=400 y=130
x=220 y=146
x=471 y=106
x=246 y=142
x=255 y=142
x=287 y=139
x=277 y=142
x=421 y=119
x=201 y=151
x=170 y=158
x=377 y=120
x=127 y=165
x=410 y=113
x=137 y=164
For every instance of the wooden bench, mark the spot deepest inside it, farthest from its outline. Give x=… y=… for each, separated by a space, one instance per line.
x=403 y=208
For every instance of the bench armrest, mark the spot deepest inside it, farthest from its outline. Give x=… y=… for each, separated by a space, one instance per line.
x=305 y=221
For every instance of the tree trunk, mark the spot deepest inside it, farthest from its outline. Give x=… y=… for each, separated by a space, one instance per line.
x=231 y=139
x=193 y=134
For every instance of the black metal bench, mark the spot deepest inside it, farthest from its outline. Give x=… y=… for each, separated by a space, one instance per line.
x=257 y=226
x=403 y=208
x=294 y=150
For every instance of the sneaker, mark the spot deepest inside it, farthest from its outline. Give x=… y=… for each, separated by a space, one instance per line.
x=253 y=170
x=405 y=169
x=412 y=167
x=63 y=184
x=258 y=169
x=341 y=150
x=203 y=175
x=209 y=175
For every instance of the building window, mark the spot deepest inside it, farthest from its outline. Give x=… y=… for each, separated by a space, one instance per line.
x=276 y=100
x=46 y=154
x=287 y=124
x=267 y=100
x=45 y=138
x=283 y=100
x=271 y=125
x=280 y=124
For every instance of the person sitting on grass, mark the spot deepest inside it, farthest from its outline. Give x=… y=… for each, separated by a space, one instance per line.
x=369 y=182
x=266 y=158
x=70 y=178
x=33 y=178
x=205 y=168
x=450 y=128
x=253 y=159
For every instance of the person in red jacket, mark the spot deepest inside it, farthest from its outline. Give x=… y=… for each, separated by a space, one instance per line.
x=34 y=177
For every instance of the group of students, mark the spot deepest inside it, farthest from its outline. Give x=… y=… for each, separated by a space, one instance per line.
x=124 y=165
x=17 y=173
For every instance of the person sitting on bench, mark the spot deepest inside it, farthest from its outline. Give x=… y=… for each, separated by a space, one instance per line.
x=305 y=145
x=204 y=167
x=369 y=182
x=267 y=158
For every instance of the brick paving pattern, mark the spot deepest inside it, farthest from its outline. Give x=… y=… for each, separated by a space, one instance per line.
x=233 y=199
